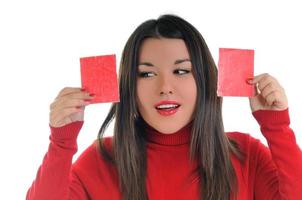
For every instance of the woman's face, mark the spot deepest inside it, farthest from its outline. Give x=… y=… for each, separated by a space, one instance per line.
x=166 y=88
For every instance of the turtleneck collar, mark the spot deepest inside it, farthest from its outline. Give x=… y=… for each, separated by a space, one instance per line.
x=180 y=137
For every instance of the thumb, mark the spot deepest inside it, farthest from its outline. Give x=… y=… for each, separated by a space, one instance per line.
x=256 y=91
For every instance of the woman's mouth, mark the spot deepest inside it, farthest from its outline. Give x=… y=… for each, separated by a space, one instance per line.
x=167 y=108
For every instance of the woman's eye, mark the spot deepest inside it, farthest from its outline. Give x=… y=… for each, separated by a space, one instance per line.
x=181 y=71
x=146 y=74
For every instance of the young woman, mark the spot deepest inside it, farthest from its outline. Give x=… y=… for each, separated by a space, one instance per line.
x=169 y=141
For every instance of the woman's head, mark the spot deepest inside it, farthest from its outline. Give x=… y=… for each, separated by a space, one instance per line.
x=167 y=59
x=180 y=69
x=166 y=89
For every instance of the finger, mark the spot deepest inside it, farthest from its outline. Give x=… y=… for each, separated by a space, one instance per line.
x=67 y=103
x=78 y=96
x=257 y=78
x=56 y=118
x=272 y=97
x=69 y=90
x=268 y=88
x=269 y=82
x=256 y=91
x=262 y=83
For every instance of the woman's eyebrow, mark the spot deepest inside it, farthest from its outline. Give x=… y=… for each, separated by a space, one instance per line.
x=178 y=61
x=182 y=60
x=146 y=64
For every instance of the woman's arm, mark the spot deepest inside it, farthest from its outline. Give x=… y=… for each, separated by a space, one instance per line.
x=279 y=168
x=54 y=179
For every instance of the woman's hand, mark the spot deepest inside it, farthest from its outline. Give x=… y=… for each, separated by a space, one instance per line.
x=270 y=95
x=69 y=106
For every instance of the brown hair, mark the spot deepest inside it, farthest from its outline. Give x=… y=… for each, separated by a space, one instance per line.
x=209 y=145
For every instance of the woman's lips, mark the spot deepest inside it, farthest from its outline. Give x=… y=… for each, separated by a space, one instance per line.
x=167 y=112
x=167 y=108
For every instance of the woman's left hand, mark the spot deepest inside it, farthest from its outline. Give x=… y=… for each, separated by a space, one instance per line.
x=271 y=95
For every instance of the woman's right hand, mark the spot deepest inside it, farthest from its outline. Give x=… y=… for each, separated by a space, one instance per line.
x=69 y=106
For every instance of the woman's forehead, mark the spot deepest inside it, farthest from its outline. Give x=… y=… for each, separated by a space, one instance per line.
x=154 y=49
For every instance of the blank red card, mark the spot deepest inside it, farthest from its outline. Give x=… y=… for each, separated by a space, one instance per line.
x=98 y=76
x=235 y=66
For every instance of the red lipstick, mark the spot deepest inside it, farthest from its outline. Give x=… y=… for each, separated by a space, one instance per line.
x=167 y=108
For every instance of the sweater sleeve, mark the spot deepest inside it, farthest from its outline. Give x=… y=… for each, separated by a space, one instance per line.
x=279 y=169
x=54 y=179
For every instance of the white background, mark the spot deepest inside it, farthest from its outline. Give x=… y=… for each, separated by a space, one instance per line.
x=41 y=43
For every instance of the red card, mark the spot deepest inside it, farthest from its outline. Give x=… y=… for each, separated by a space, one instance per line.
x=98 y=76
x=235 y=66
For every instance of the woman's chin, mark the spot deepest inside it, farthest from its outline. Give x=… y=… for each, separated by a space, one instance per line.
x=168 y=129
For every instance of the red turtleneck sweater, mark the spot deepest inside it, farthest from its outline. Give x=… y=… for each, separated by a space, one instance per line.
x=265 y=174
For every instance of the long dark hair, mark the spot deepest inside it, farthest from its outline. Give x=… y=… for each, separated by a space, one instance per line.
x=209 y=145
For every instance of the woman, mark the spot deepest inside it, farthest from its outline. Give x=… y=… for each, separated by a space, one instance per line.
x=169 y=141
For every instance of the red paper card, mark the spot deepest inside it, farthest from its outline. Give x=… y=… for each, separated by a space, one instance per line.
x=98 y=76
x=235 y=66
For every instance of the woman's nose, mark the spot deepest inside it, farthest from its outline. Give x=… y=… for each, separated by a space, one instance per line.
x=165 y=85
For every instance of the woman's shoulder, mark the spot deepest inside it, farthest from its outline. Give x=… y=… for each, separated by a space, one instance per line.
x=92 y=167
x=92 y=155
x=240 y=136
x=244 y=141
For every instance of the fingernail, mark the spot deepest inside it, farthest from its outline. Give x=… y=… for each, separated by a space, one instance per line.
x=249 y=80
x=92 y=95
x=87 y=100
x=83 y=89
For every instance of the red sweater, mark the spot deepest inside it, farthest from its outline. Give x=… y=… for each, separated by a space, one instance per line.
x=266 y=174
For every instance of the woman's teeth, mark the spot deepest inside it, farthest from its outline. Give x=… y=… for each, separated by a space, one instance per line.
x=167 y=106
